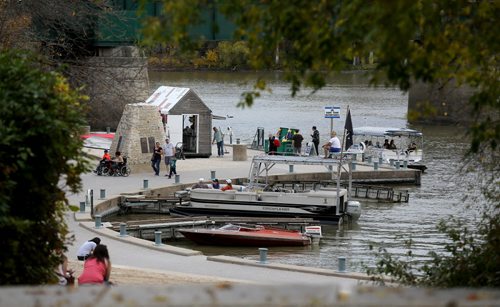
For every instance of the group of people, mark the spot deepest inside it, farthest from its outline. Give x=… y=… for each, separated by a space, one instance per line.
x=296 y=138
x=112 y=163
x=215 y=185
x=333 y=145
x=389 y=145
x=96 y=266
x=168 y=152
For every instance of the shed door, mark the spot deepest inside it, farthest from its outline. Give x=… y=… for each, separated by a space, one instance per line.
x=174 y=129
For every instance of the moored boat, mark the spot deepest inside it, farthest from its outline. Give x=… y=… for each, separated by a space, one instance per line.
x=239 y=235
x=403 y=145
x=326 y=205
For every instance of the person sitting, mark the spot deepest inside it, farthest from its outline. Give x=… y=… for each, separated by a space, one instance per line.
x=87 y=248
x=392 y=145
x=332 y=146
x=63 y=274
x=200 y=184
x=229 y=185
x=97 y=268
x=215 y=184
x=411 y=147
x=386 y=144
x=117 y=162
x=106 y=158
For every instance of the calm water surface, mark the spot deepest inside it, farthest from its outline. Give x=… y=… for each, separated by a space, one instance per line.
x=387 y=225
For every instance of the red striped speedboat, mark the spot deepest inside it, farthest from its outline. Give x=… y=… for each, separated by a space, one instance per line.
x=238 y=235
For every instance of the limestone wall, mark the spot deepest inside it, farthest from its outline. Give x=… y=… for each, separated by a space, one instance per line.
x=139 y=128
x=115 y=77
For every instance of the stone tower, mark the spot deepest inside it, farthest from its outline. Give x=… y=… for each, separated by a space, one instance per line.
x=139 y=128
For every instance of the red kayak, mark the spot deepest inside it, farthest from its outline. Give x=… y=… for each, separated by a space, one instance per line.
x=237 y=235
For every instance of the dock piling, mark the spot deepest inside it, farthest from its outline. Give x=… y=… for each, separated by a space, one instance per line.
x=212 y=175
x=123 y=229
x=145 y=184
x=353 y=165
x=82 y=206
x=375 y=165
x=157 y=238
x=102 y=194
x=263 y=255
x=177 y=178
x=98 y=221
x=380 y=160
x=405 y=164
x=397 y=164
x=341 y=264
x=290 y=168
x=369 y=158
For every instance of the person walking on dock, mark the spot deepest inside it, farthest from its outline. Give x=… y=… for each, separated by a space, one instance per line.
x=220 y=142
x=156 y=159
x=315 y=139
x=169 y=152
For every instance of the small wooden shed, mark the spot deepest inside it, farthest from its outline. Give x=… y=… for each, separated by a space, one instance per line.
x=187 y=119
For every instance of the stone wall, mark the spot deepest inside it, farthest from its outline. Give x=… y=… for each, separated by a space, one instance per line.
x=115 y=77
x=139 y=128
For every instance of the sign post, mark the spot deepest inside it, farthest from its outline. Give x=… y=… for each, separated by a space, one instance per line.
x=331 y=113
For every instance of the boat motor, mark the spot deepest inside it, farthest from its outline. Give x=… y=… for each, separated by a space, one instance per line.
x=354 y=209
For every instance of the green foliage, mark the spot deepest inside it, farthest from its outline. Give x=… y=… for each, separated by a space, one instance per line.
x=40 y=159
x=425 y=40
x=232 y=55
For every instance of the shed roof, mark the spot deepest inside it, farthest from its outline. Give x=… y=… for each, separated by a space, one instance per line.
x=166 y=97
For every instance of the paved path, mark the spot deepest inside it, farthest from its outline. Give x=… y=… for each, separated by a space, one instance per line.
x=126 y=254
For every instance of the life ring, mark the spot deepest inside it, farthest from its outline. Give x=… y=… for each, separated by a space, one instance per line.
x=363 y=146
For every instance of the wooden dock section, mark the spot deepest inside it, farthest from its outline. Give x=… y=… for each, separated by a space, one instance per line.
x=365 y=192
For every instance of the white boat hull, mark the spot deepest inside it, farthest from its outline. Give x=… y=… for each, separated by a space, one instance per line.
x=318 y=205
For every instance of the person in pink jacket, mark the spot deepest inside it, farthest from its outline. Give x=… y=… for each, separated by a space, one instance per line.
x=97 y=268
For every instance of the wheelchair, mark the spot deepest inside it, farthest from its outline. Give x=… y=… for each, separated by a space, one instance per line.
x=179 y=151
x=109 y=168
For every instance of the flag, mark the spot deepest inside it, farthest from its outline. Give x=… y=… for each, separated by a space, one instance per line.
x=348 y=130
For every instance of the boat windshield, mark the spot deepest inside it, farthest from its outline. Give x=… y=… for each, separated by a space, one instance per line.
x=230 y=227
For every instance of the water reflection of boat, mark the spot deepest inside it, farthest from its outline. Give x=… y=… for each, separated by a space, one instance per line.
x=408 y=144
x=238 y=235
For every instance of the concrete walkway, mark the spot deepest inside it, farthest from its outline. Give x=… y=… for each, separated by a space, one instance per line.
x=123 y=252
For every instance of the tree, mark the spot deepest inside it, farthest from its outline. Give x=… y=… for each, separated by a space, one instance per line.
x=65 y=33
x=40 y=159
x=427 y=40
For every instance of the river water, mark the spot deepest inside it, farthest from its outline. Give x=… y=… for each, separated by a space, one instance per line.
x=381 y=224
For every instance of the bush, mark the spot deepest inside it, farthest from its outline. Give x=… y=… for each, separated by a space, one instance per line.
x=233 y=55
x=40 y=158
